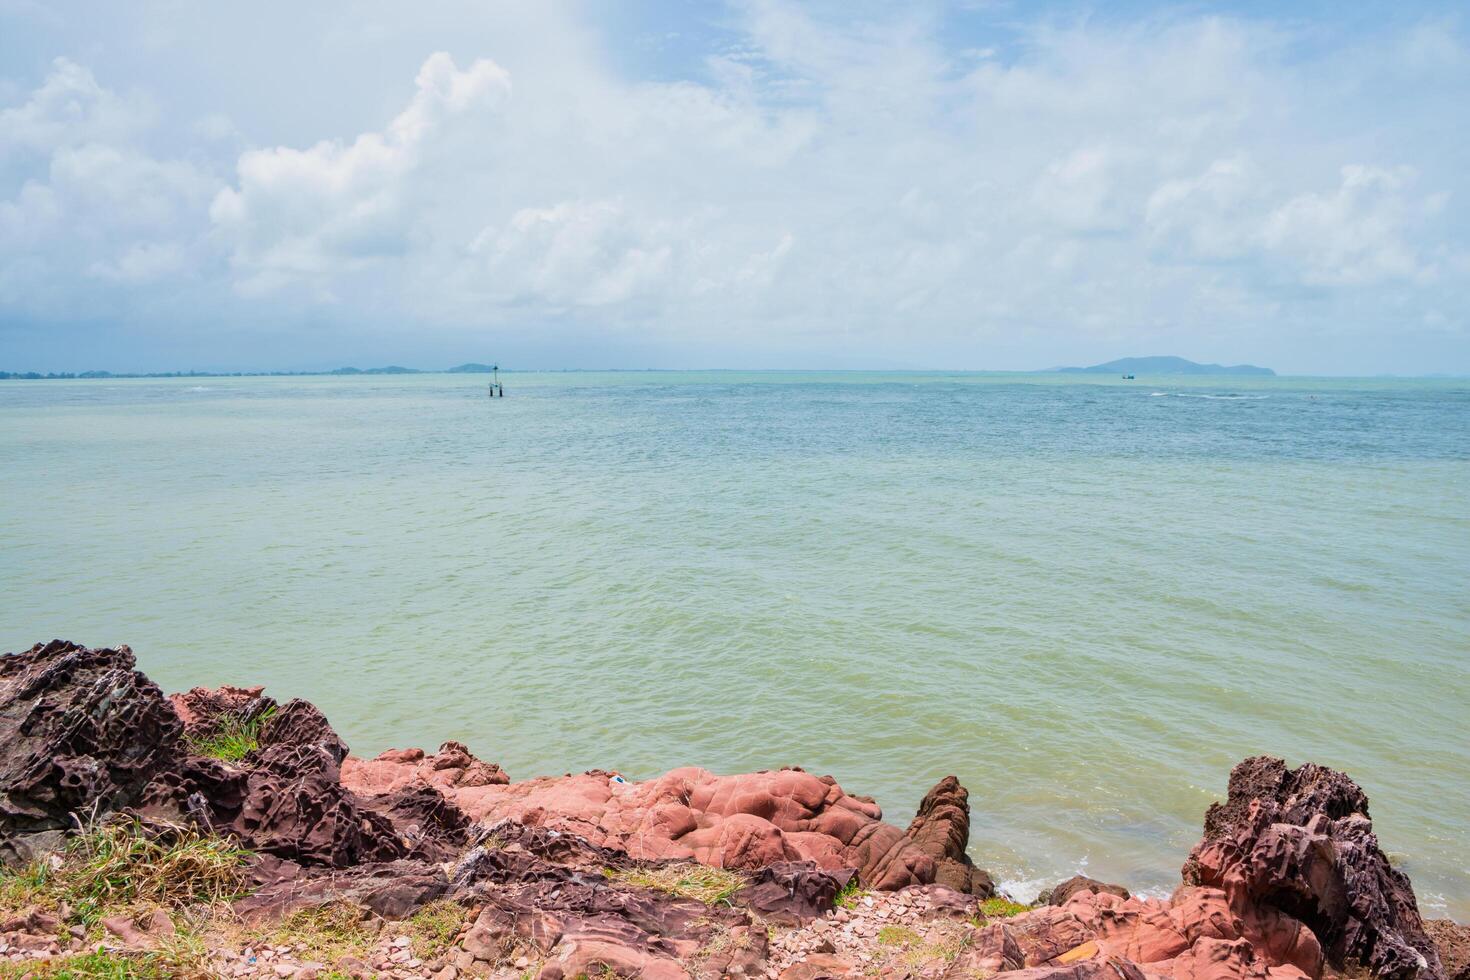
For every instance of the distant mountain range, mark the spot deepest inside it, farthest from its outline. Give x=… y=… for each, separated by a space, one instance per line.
x=1166 y=365
x=391 y=369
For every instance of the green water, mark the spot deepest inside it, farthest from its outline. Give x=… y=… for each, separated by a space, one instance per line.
x=1087 y=598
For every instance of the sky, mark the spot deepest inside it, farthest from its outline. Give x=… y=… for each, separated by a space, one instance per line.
x=752 y=184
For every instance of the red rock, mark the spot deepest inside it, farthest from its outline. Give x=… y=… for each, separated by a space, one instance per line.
x=941 y=829
x=1080 y=883
x=742 y=822
x=818 y=966
x=203 y=710
x=1453 y=942
x=1294 y=851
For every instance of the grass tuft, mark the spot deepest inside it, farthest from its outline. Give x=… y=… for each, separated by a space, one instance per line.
x=120 y=865
x=1001 y=908
x=25 y=888
x=851 y=893
x=697 y=881
x=233 y=737
x=897 y=936
x=325 y=932
x=435 y=927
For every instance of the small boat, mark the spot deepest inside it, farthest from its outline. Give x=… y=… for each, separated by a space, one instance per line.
x=1127 y=377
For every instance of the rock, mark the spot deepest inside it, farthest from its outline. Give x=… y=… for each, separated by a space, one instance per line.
x=1453 y=943
x=993 y=949
x=1080 y=883
x=204 y=712
x=1094 y=969
x=941 y=829
x=1297 y=846
x=393 y=890
x=286 y=798
x=542 y=889
x=452 y=767
x=818 y=966
x=792 y=892
x=80 y=729
x=743 y=822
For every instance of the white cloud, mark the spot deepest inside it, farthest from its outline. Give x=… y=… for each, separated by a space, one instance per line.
x=68 y=109
x=1357 y=234
x=97 y=205
x=853 y=185
x=300 y=213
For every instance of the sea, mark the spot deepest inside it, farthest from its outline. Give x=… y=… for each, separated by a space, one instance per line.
x=1086 y=597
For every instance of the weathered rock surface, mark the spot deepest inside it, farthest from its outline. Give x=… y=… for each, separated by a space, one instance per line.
x=1079 y=883
x=743 y=822
x=1298 y=844
x=545 y=892
x=792 y=892
x=285 y=798
x=1453 y=942
x=1288 y=880
x=81 y=731
x=941 y=829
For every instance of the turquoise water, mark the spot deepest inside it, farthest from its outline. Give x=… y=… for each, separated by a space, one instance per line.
x=1085 y=597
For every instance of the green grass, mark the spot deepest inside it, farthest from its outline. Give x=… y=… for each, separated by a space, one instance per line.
x=328 y=932
x=434 y=928
x=24 y=888
x=697 y=881
x=87 y=966
x=184 y=958
x=897 y=936
x=233 y=738
x=1001 y=908
x=851 y=894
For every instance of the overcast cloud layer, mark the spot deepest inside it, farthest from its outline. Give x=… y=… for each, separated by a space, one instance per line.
x=759 y=184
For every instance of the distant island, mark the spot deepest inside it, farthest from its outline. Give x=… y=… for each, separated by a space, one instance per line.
x=391 y=369
x=1166 y=365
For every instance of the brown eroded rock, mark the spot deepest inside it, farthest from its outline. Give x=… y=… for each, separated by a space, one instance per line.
x=1079 y=883
x=792 y=892
x=286 y=799
x=1297 y=846
x=204 y=711
x=1453 y=942
x=547 y=890
x=80 y=730
x=941 y=829
x=992 y=950
x=393 y=890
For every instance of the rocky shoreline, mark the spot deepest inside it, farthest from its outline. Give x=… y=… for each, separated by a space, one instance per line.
x=416 y=864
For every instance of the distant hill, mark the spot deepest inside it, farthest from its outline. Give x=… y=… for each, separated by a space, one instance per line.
x=1166 y=365
x=471 y=369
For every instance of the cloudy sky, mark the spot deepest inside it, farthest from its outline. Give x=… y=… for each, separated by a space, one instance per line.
x=768 y=183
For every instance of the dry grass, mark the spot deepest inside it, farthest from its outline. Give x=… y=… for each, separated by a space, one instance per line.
x=942 y=942
x=897 y=936
x=323 y=932
x=119 y=866
x=697 y=881
x=182 y=957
